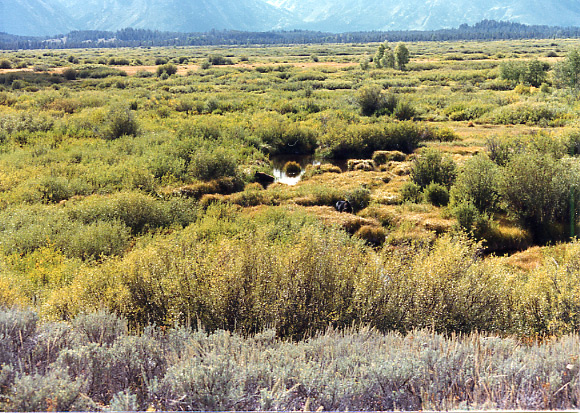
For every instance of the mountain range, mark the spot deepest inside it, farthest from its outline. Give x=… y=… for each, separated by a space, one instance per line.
x=52 y=17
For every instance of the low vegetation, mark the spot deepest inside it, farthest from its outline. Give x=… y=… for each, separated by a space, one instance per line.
x=141 y=223
x=93 y=361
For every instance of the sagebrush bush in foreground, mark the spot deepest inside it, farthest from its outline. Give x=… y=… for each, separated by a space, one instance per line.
x=93 y=363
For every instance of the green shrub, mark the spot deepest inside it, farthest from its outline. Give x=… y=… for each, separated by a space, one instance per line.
x=54 y=189
x=478 y=184
x=69 y=74
x=467 y=111
x=537 y=189
x=361 y=140
x=522 y=113
x=219 y=60
x=118 y=61
x=5 y=64
x=404 y=111
x=218 y=163
x=168 y=69
x=278 y=136
x=445 y=135
x=466 y=214
x=359 y=198
x=436 y=194
x=98 y=239
x=411 y=192
x=120 y=121
x=99 y=72
x=370 y=99
x=432 y=166
x=531 y=72
x=26 y=122
x=135 y=210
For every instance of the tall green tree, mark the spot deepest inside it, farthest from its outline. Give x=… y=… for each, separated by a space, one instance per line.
x=384 y=57
x=568 y=71
x=402 y=56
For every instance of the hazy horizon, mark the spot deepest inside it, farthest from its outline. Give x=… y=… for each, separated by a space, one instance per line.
x=52 y=17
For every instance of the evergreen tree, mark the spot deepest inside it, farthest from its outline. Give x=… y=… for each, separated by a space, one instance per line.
x=401 y=56
x=568 y=72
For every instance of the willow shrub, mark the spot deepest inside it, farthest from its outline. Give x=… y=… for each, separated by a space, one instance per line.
x=137 y=211
x=283 y=270
x=522 y=113
x=550 y=298
x=278 y=135
x=351 y=140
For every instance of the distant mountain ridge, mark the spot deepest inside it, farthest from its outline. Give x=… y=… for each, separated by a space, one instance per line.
x=34 y=17
x=363 y=15
x=51 y=17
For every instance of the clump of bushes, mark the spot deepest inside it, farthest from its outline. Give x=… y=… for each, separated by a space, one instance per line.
x=292 y=168
x=120 y=121
x=70 y=74
x=118 y=61
x=224 y=186
x=411 y=192
x=99 y=72
x=531 y=72
x=219 y=60
x=478 y=184
x=436 y=194
x=280 y=136
x=349 y=140
x=383 y=157
x=467 y=111
x=433 y=166
x=209 y=164
x=167 y=69
x=522 y=113
x=372 y=101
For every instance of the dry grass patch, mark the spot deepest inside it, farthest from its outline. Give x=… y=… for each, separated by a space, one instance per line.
x=527 y=260
x=409 y=235
x=424 y=216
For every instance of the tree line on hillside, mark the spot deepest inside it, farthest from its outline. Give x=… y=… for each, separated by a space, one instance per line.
x=484 y=30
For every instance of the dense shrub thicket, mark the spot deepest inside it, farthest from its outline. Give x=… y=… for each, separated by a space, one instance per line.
x=287 y=271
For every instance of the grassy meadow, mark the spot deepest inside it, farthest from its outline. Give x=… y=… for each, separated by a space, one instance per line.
x=133 y=214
